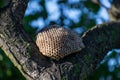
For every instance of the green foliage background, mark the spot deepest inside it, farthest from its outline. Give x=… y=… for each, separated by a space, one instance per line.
x=9 y=72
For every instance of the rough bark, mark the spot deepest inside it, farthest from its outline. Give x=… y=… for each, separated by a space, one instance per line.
x=23 y=52
x=114 y=11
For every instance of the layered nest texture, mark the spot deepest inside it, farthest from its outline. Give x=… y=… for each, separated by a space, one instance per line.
x=57 y=42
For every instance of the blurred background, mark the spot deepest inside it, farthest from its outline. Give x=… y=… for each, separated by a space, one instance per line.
x=80 y=16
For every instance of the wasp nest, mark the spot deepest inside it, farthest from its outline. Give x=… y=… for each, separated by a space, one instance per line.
x=58 y=42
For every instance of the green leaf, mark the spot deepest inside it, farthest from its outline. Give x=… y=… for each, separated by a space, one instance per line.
x=92 y=6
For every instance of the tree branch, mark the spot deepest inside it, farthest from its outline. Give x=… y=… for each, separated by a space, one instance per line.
x=114 y=11
x=23 y=52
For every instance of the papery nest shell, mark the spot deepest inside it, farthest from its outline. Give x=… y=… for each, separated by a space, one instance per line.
x=57 y=42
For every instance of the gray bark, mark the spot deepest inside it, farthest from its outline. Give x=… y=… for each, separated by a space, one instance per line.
x=23 y=52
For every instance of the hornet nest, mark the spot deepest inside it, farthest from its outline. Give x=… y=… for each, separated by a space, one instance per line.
x=57 y=42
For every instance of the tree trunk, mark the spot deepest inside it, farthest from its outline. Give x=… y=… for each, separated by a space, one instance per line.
x=23 y=52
